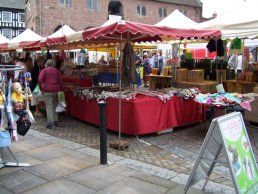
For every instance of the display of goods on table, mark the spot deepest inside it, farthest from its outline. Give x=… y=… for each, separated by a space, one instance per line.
x=138 y=109
x=111 y=67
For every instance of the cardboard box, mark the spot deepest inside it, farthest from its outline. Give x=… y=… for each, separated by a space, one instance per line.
x=256 y=90
x=255 y=97
x=181 y=75
x=221 y=75
x=205 y=87
x=251 y=117
x=196 y=76
x=254 y=104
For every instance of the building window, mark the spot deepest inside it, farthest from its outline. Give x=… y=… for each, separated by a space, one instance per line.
x=92 y=5
x=141 y=10
x=7 y=33
x=65 y=3
x=184 y=12
x=21 y=18
x=20 y=31
x=163 y=12
x=6 y=16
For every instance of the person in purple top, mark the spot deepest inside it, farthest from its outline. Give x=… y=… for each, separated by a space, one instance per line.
x=50 y=83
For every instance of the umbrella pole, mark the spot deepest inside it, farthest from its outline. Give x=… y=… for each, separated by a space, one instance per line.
x=243 y=57
x=120 y=100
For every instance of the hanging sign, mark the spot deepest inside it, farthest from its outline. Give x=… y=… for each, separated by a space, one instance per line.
x=227 y=133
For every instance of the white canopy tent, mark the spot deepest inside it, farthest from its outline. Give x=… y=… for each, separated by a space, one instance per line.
x=26 y=39
x=3 y=39
x=64 y=31
x=241 y=21
x=177 y=20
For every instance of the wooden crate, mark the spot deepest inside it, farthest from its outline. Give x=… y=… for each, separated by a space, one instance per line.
x=221 y=75
x=181 y=75
x=196 y=76
x=205 y=87
x=256 y=90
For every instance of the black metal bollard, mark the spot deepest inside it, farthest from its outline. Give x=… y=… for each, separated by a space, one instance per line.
x=103 y=133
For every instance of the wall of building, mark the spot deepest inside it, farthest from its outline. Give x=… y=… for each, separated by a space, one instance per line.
x=78 y=18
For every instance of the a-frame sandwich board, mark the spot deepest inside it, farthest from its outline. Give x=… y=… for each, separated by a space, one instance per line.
x=227 y=133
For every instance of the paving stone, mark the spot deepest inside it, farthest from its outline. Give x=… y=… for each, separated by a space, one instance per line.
x=96 y=177
x=48 y=152
x=20 y=181
x=180 y=190
x=131 y=185
x=154 y=180
x=59 y=167
x=28 y=144
x=62 y=186
x=22 y=158
x=5 y=191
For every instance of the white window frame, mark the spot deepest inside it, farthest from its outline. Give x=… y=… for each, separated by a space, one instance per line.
x=139 y=10
x=19 y=18
x=65 y=3
x=162 y=13
x=20 y=31
x=7 y=35
x=92 y=4
x=7 y=12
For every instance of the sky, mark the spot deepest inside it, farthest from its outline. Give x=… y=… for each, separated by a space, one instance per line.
x=218 y=6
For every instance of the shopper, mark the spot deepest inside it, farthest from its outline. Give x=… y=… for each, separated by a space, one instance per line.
x=146 y=68
x=50 y=83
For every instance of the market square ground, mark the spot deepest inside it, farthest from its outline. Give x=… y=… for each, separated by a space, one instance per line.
x=70 y=151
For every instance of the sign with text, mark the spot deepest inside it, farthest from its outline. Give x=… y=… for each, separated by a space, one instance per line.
x=228 y=133
x=240 y=155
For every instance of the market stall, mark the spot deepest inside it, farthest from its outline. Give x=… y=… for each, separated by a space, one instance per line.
x=143 y=114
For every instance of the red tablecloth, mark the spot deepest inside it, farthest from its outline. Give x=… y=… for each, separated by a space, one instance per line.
x=142 y=115
x=86 y=82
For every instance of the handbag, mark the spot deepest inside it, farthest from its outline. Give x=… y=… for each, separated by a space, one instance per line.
x=23 y=125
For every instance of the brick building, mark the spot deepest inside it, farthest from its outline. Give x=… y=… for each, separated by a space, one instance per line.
x=44 y=17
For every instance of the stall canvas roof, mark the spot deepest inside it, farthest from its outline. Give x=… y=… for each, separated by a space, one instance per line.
x=3 y=42
x=59 y=35
x=177 y=20
x=122 y=31
x=241 y=21
x=3 y=39
x=27 y=39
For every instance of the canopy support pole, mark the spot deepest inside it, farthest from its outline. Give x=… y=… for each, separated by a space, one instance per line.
x=120 y=100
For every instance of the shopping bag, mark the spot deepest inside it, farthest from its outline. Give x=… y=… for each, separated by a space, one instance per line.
x=36 y=90
x=60 y=107
x=61 y=102
x=61 y=98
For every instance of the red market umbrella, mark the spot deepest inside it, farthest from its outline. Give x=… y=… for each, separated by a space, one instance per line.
x=137 y=32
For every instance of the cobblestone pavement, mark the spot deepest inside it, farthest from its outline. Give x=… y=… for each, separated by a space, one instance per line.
x=175 y=150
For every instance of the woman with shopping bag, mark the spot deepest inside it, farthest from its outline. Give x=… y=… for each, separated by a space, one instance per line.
x=50 y=83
